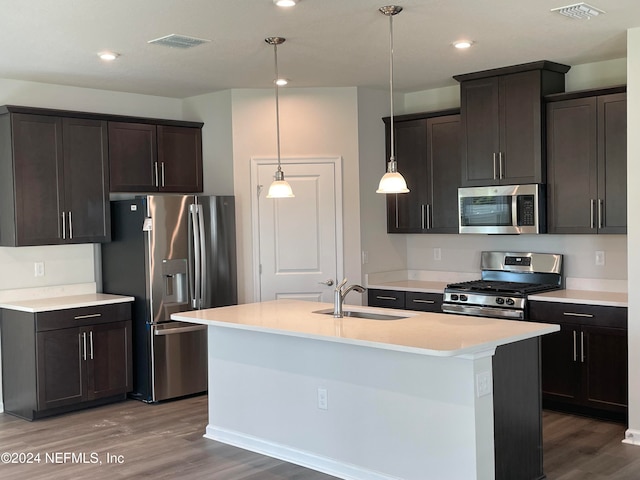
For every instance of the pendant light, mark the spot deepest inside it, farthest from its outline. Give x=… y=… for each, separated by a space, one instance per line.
x=279 y=188
x=392 y=181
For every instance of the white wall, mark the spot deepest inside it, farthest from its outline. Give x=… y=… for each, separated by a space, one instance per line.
x=313 y=122
x=633 y=231
x=214 y=110
x=68 y=264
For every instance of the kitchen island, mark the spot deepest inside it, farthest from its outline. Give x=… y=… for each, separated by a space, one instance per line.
x=427 y=396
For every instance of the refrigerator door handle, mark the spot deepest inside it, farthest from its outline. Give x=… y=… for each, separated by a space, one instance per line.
x=203 y=259
x=197 y=250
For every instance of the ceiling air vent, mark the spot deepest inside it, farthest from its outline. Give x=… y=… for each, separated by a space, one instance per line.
x=178 y=41
x=580 y=11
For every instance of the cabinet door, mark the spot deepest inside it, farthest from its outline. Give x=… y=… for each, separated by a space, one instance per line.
x=38 y=164
x=572 y=166
x=480 y=114
x=61 y=368
x=406 y=211
x=612 y=163
x=521 y=116
x=180 y=159
x=109 y=367
x=443 y=164
x=86 y=181
x=561 y=365
x=605 y=368
x=133 y=159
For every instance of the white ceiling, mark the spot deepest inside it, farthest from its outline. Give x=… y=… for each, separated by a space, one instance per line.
x=329 y=42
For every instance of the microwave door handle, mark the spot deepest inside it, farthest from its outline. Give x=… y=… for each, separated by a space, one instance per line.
x=514 y=211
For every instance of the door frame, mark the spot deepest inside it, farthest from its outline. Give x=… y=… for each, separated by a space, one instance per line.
x=255 y=210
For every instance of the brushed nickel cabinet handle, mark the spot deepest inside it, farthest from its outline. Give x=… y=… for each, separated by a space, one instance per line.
x=575 y=352
x=70 y=226
x=600 y=208
x=417 y=300
x=162 y=172
x=91 y=344
x=494 y=167
x=429 y=223
x=84 y=346
x=500 y=161
x=155 y=167
x=382 y=297
x=581 y=347
x=423 y=212
x=573 y=314
x=592 y=213
x=90 y=315
x=64 y=226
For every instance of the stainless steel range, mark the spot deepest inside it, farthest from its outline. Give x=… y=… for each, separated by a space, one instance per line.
x=507 y=279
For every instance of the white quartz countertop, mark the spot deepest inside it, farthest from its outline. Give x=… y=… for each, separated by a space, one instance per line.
x=585 y=297
x=64 y=302
x=432 y=334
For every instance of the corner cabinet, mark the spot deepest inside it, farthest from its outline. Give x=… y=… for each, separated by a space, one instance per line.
x=62 y=360
x=53 y=179
x=502 y=118
x=145 y=157
x=427 y=149
x=587 y=162
x=584 y=365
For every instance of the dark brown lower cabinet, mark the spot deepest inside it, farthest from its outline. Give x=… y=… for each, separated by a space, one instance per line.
x=57 y=361
x=424 y=302
x=584 y=365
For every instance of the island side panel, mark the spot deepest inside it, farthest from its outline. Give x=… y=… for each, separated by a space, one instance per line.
x=389 y=414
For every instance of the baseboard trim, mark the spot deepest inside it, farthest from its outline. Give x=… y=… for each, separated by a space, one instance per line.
x=292 y=455
x=632 y=437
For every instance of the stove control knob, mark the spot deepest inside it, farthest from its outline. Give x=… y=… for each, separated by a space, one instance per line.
x=511 y=301
x=463 y=298
x=500 y=301
x=454 y=296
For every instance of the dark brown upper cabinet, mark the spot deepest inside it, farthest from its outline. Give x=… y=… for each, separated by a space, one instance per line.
x=502 y=119
x=53 y=179
x=587 y=162
x=155 y=158
x=427 y=149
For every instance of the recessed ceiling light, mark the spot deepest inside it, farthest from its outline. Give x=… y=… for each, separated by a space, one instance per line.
x=285 y=3
x=462 y=44
x=281 y=82
x=108 y=56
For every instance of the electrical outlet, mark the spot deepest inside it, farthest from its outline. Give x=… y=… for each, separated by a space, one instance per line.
x=437 y=254
x=38 y=269
x=483 y=384
x=365 y=257
x=600 y=258
x=323 y=399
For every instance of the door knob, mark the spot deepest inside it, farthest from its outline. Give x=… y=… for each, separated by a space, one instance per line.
x=328 y=283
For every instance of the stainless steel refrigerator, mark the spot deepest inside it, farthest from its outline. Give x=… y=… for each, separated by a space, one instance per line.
x=172 y=253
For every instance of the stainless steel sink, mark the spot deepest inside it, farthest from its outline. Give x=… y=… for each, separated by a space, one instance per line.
x=358 y=314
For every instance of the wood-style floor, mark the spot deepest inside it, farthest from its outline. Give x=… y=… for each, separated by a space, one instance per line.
x=165 y=442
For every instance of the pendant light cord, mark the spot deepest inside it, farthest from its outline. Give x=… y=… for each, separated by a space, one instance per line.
x=393 y=156
x=275 y=82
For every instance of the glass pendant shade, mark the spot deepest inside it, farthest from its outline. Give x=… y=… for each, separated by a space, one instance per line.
x=280 y=188
x=392 y=181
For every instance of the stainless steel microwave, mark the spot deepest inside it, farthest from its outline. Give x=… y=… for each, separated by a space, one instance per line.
x=502 y=209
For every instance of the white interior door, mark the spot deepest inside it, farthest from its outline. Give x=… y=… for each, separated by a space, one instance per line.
x=299 y=239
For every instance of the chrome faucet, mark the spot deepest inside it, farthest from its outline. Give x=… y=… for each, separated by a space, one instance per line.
x=339 y=295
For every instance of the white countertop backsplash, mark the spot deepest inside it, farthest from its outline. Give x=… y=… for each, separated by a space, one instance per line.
x=18 y=295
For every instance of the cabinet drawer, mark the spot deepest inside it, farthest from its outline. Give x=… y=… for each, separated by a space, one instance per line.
x=576 y=313
x=424 y=302
x=386 y=298
x=83 y=316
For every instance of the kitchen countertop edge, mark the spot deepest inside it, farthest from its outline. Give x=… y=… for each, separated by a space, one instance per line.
x=65 y=302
